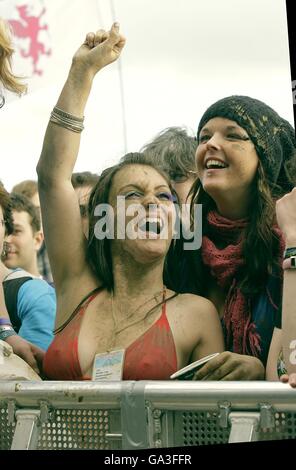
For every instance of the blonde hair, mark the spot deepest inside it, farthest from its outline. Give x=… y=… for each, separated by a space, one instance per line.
x=10 y=81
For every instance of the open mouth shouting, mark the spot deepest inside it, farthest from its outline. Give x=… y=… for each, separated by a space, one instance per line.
x=150 y=227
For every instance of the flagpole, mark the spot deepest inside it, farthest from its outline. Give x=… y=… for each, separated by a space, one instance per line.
x=121 y=86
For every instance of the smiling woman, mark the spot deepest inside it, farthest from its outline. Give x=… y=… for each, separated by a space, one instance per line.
x=246 y=160
x=227 y=162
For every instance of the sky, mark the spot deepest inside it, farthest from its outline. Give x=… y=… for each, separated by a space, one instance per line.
x=180 y=57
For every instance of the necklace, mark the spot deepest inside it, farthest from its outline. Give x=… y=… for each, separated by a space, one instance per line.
x=118 y=330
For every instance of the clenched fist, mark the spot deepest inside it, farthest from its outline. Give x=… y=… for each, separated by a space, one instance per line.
x=99 y=49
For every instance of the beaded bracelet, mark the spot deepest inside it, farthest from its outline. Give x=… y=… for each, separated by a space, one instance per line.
x=289 y=252
x=6 y=334
x=6 y=331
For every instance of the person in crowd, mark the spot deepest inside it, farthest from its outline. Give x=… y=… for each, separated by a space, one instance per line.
x=282 y=358
x=23 y=244
x=83 y=183
x=29 y=302
x=9 y=81
x=29 y=188
x=245 y=162
x=175 y=149
x=110 y=291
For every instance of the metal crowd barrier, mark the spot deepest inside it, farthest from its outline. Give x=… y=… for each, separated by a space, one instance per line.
x=142 y=415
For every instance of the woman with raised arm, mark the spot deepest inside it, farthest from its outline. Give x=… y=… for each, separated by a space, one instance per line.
x=110 y=290
x=246 y=160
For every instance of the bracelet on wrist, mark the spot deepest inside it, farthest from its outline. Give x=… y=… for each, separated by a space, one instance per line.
x=67 y=120
x=289 y=252
x=6 y=334
x=6 y=327
x=4 y=321
x=289 y=263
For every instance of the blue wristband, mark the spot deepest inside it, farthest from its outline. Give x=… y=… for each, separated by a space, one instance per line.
x=4 y=321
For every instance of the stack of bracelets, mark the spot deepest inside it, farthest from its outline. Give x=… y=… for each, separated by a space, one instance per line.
x=289 y=258
x=6 y=329
x=66 y=120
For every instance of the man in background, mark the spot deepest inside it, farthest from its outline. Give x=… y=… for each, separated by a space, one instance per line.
x=26 y=239
x=29 y=188
x=174 y=149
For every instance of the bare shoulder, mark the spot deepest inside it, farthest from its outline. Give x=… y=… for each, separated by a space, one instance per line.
x=194 y=309
x=195 y=304
x=195 y=323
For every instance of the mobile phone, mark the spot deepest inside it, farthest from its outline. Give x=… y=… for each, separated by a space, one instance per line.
x=187 y=373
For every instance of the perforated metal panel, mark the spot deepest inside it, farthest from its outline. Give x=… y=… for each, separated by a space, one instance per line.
x=6 y=430
x=199 y=428
x=70 y=429
x=285 y=428
x=89 y=429
x=79 y=429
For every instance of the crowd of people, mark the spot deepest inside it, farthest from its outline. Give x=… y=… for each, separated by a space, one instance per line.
x=124 y=279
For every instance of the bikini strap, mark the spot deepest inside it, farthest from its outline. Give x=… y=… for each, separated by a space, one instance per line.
x=165 y=300
x=88 y=297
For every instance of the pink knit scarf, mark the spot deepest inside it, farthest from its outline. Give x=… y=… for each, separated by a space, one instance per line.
x=224 y=264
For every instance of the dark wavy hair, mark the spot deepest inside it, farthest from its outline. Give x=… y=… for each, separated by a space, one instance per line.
x=99 y=251
x=274 y=141
x=21 y=203
x=5 y=203
x=261 y=245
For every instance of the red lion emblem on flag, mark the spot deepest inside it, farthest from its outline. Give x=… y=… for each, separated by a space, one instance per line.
x=30 y=27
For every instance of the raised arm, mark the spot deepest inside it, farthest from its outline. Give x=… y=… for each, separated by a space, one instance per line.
x=286 y=217
x=64 y=236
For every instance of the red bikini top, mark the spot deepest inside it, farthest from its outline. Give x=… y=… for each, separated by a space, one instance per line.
x=152 y=356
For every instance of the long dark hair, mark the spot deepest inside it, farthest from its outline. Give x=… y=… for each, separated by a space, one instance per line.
x=261 y=246
x=99 y=251
x=5 y=203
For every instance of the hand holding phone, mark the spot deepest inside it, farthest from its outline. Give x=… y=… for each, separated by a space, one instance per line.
x=187 y=373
